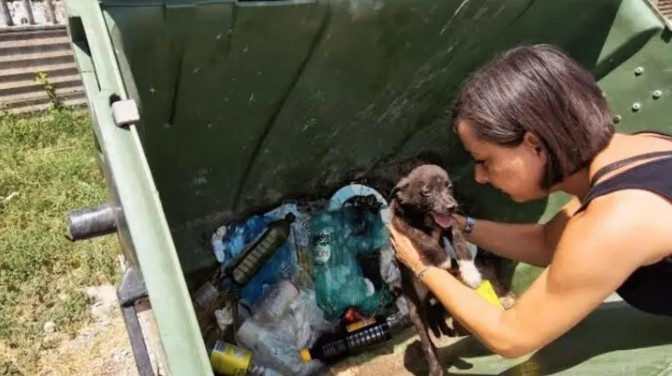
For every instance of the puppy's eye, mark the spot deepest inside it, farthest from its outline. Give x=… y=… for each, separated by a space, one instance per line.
x=426 y=192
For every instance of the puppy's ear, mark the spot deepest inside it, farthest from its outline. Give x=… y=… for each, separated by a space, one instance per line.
x=397 y=191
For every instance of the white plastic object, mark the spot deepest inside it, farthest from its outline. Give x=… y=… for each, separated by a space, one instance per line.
x=125 y=112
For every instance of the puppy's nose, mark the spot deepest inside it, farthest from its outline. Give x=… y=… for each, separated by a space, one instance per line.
x=450 y=207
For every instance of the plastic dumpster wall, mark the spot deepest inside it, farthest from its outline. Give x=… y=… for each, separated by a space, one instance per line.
x=245 y=104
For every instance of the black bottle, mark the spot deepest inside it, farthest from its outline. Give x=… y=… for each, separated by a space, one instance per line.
x=333 y=347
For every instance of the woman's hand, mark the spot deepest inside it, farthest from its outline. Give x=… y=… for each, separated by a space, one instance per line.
x=405 y=251
x=460 y=221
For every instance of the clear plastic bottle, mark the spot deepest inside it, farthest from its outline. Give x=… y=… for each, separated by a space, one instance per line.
x=259 y=370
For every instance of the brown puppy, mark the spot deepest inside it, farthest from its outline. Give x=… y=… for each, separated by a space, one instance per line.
x=421 y=207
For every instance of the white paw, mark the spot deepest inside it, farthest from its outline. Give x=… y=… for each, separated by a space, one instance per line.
x=469 y=273
x=446 y=264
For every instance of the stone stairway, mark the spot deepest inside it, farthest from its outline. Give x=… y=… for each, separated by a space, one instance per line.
x=24 y=52
x=665 y=7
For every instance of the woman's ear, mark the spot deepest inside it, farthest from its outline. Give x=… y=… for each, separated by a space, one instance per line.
x=532 y=141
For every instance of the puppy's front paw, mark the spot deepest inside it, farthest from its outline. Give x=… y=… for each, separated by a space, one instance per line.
x=469 y=273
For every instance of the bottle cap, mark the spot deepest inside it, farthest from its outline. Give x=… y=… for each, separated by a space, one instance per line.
x=305 y=355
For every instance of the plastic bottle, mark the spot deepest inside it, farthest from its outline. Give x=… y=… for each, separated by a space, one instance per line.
x=331 y=348
x=275 y=303
x=260 y=250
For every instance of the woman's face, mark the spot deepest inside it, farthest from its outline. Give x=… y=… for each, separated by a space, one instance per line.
x=516 y=171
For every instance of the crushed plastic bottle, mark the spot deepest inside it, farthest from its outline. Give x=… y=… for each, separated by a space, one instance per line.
x=275 y=339
x=229 y=241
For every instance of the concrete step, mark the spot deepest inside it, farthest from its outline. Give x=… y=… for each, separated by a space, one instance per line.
x=26 y=47
x=11 y=89
x=41 y=58
x=28 y=73
x=40 y=98
x=32 y=33
x=72 y=102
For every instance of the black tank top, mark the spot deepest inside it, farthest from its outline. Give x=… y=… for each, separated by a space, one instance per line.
x=649 y=288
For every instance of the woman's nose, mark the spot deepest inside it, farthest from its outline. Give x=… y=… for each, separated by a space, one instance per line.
x=480 y=176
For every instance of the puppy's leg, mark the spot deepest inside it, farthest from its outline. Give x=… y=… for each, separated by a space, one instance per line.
x=417 y=319
x=468 y=271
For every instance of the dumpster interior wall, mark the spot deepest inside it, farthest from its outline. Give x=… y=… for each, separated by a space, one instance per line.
x=244 y=105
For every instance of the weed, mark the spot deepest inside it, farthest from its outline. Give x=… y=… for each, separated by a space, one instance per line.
x=43 y=78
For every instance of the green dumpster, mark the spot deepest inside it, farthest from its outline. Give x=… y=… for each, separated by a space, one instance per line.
x=244 y=104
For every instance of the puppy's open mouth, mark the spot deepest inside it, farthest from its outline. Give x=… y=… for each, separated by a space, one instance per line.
x=443 y=220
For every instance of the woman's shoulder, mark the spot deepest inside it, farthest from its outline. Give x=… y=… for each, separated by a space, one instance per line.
x=634 y=219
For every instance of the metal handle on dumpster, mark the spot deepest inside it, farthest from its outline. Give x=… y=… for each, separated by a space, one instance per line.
x=91 y=222
x=132 y=289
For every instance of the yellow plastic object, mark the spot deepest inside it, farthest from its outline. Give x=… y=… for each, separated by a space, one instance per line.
x=229 y=359
x=360 y=324
x=486 y=291
x=305 y=355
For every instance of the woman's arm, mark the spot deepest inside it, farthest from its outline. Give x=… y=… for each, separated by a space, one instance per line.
x=598 y=251
x=530 y=243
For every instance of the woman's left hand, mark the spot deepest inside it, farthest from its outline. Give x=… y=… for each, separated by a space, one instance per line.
x=405 y=250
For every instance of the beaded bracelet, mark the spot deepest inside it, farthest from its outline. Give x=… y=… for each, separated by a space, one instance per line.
x=419 y=274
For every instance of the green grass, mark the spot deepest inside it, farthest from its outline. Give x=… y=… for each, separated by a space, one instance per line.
x=47 y=167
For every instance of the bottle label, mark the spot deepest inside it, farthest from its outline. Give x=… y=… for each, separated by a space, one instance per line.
x=322 y=248
x=229 y=359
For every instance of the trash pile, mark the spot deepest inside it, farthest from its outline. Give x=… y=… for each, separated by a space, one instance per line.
x=302 y=286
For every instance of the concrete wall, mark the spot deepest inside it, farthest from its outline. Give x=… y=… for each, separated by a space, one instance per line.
x=38 y=14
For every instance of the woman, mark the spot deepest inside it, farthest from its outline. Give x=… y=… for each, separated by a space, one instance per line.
x=536 y=122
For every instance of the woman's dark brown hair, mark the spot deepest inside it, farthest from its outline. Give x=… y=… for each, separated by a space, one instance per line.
x=538 y=89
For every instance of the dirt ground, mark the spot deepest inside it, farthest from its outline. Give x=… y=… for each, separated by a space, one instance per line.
x=99 y=348
x=404 y=357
